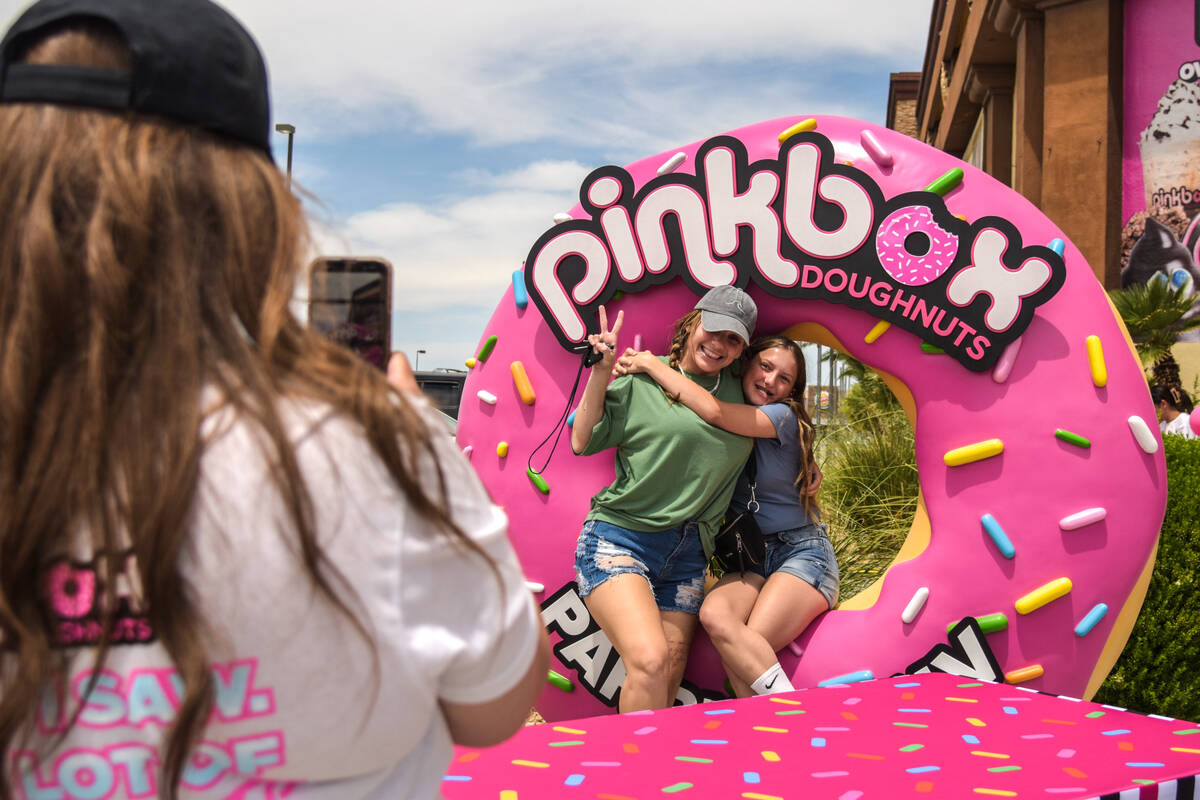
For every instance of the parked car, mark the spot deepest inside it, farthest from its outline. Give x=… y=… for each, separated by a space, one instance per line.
x=444 y=388
x=450 y=422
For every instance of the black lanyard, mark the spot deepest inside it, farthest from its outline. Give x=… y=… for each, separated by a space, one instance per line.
x=562 y=421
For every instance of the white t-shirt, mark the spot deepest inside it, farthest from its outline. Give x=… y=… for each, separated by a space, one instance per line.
x=1180 y=426
x=300 y=712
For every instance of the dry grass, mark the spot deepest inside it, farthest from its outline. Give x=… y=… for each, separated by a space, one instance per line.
x=869 y=495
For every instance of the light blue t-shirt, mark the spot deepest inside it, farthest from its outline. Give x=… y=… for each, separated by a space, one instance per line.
x=778 y=461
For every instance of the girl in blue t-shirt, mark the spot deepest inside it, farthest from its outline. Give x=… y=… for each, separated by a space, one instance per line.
x=750 y=616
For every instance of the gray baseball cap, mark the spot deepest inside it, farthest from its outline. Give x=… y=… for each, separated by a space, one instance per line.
x=728 y=308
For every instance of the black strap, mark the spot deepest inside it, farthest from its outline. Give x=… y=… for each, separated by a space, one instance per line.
x=55 y=83
x=751 y=470
x=562 y=421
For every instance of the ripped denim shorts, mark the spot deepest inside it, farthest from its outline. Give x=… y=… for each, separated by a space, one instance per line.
x=806 y=553
x=671 y=561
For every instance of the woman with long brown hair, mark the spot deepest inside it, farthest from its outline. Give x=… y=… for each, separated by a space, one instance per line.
x=231 y=555
x=751 y=615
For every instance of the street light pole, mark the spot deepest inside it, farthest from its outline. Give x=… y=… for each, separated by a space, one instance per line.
x=417 y=366
x=290 y=130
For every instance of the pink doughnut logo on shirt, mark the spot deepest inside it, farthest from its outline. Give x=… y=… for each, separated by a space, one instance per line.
x=1043 y=484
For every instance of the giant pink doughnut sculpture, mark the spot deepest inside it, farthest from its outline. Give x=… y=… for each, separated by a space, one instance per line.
x=1046 y=537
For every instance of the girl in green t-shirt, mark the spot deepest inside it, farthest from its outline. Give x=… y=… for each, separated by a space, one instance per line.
x=641 y=556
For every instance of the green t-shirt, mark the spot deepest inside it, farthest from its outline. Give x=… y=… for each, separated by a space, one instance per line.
x=672 y=467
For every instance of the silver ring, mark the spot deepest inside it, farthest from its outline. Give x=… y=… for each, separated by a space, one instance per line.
x=609 y=346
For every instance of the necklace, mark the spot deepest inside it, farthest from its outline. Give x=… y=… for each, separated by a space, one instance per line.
x=712 y=391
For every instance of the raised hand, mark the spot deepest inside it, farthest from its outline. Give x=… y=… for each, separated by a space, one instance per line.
x=604 y=343
x=400 y=374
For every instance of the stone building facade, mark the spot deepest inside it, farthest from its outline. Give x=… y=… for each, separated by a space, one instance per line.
x=1030 y=92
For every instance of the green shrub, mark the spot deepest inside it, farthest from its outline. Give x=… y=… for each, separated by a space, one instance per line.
x=869 y=494
x=868 y=398
x=1159 y=670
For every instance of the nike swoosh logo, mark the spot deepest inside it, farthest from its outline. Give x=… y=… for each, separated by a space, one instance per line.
x=772 y=683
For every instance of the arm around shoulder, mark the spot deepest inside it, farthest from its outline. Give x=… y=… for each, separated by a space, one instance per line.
x=739 y=418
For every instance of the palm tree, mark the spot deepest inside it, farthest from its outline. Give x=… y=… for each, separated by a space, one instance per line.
x=868 y=395
x=1155 y=313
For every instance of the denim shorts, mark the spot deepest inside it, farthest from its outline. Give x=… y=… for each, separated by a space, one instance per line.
x=671 y=561
x=806 y=553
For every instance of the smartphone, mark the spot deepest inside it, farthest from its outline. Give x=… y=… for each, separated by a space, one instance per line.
x=350 y=302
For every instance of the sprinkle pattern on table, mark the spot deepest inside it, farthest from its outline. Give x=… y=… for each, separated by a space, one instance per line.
x=975 y=738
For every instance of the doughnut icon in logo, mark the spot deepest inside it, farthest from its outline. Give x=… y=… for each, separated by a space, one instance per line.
x=909 y=263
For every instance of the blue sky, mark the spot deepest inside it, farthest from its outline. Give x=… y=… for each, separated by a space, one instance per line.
x=445 y=136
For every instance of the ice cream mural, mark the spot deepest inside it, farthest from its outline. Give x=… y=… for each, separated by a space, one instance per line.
x=1161 y=152
x=1170 y=145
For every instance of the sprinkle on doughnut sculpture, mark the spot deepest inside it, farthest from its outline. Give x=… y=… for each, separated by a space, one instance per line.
x=1043 y=484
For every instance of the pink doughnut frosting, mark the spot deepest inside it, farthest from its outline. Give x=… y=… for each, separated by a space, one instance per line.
x=1034 y=480
x=913 y=269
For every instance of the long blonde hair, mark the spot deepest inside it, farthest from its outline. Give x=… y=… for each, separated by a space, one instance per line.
x=684 y=326
x=141 y=263
x=795 y=401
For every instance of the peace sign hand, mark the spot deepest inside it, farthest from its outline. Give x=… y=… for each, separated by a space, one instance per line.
x=604 y=343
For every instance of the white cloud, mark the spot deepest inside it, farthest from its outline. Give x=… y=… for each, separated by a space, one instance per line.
x=451 y=264
x=453 y=260
x=522 y=71
x=614 y=81
x=619 y=71
x=544 y=176
x=460 y=253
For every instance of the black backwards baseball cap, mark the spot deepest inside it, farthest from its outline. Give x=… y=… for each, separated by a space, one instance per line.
x=192 y=62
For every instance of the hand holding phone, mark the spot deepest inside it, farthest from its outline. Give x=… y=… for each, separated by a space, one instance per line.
x=400 y=374
x=350 y=302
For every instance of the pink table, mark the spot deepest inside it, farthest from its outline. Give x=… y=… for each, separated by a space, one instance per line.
x=931 y=735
